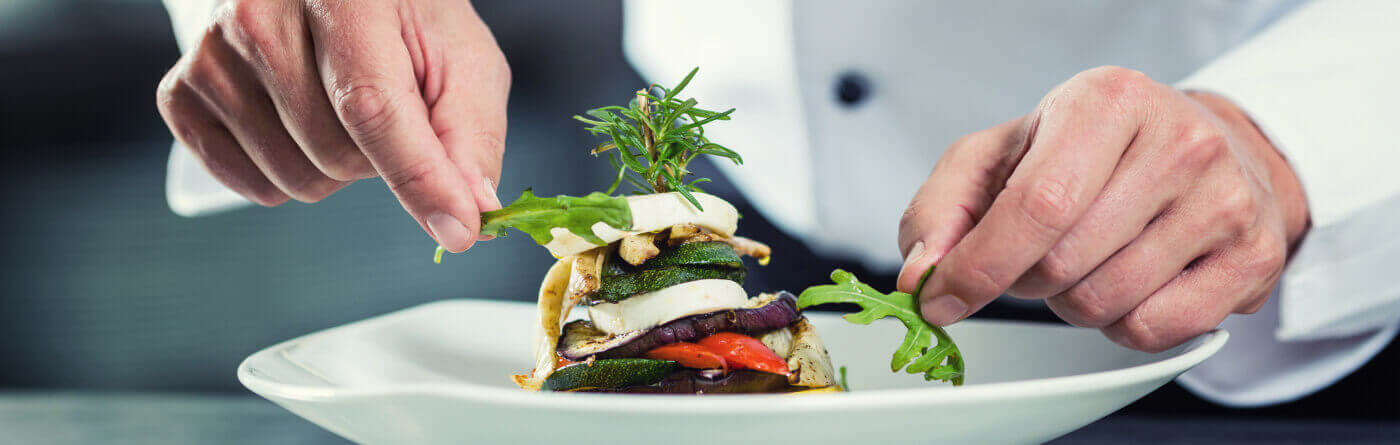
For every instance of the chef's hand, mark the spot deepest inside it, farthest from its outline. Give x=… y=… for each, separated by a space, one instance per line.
x=297 y=98
x=1128 y=206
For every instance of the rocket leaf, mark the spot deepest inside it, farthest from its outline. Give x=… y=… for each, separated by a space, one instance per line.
x=940 y=362
x=536 y=216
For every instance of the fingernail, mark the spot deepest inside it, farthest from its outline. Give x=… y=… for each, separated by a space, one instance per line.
x=449 y=232
x=913 y=256
x=491 y=191
x=943 y=310
x=914 y=253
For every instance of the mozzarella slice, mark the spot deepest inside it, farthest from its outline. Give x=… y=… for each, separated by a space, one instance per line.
x=651 y=309
x=651 y=213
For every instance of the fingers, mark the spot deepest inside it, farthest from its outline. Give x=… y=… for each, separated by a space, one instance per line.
x=374 y=91
x=1164 y=160
x=955 y=196
x=232 y=92
x=1158 y=255
x=1237 y=276
x=272 y=37
x=1083 y=129
x=1238 y=279
x=200 y=131
x=468 y=107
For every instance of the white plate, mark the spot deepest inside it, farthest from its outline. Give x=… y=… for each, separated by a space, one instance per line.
x=438 y=373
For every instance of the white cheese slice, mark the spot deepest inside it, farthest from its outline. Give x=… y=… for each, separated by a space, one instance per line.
x=651 y=213
x=654 y=308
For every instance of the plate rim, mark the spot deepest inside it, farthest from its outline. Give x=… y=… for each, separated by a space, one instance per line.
x=1198 y=350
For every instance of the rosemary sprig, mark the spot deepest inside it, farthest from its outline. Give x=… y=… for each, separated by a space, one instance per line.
x=656 y=136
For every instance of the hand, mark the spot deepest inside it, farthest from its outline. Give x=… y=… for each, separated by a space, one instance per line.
x=297 y=98
x=1128 y=206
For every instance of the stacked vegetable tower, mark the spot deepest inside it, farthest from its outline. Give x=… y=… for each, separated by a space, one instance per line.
x=662 y=277
x=659 y=271
x=667 y=312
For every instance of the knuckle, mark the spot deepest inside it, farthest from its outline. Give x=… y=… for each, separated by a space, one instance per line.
x=1114 y=82
x=1253 y=305
x=408 y=177
x=493 y=143
x=1055 y=269
x=346 y=165
x=205 y=77
x=1134 y=333
x=967 y=140
x=252 y=185
x=202 y=73
x=168 y=83
x=365 y=108
x=266 y=196
x=1198 y=143
x=304 y=183
x=911 y=214
x=1048 y=205
x=171 y=92
x=1085 y=307
x=502 y=72
x=251 y=17
x=975 y=278
x=1274 y=258
x=1237 y=208
x=311 y=188
x=1267 y=257
x=256 y=31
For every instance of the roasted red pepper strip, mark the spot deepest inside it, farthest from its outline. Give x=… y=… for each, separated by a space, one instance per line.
x=561 y=362
x=689 y=355
x=742 y=351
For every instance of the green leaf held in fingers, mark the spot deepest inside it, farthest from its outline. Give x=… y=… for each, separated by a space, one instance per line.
x=536 y=216
x=937 y=362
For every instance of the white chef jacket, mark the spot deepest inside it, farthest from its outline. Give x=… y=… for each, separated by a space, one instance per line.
x=1318 y=78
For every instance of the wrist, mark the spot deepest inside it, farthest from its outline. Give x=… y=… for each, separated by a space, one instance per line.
x=1283 y=183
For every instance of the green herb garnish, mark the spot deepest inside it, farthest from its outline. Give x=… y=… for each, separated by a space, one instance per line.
x=941 y=362
x=656 y=136
x=536 y=216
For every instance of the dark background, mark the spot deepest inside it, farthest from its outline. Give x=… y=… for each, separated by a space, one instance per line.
x=103 y=289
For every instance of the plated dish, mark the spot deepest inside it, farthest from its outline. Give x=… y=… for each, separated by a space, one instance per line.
x=437 y=374
x=661 y=272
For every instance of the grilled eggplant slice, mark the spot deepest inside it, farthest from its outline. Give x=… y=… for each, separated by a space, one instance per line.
x=764 y=313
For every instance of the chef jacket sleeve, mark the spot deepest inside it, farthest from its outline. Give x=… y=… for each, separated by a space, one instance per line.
x=1321 y=83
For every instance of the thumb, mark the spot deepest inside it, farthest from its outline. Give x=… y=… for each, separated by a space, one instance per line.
x=955 y=196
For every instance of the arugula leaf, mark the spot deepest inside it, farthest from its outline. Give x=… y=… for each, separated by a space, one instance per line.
x=536 y=216
x=942 y=362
